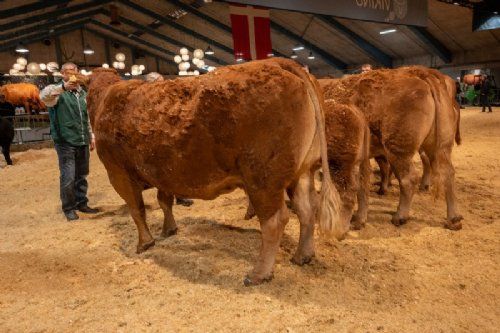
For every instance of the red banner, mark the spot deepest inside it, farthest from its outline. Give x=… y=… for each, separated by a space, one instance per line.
x=251 y=32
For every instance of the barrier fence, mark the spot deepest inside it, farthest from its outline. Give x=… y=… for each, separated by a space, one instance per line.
x=31 y=128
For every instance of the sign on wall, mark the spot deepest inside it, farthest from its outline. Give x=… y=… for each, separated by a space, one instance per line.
x=407 y=12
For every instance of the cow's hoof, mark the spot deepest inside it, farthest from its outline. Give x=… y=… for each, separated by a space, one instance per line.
x=399 y=221
x=249 y=215
x=143 y=247
x=455 y=223
x=357 y=223
x=168 y=233
x=301 y=260
x=9 y=163
x=424 y=188
x=381 y=191
x=254 y=281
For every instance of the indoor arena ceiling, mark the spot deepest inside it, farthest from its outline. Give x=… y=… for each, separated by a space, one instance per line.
x=161 y=27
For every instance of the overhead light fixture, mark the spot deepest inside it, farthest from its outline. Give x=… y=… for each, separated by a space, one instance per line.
x=209 y=50
x=311 y=56
x=294 y=55
x=298 y=48
x=88 y=50
x=387 y=31
x=456 y=3
x=270 y=55
x=20 y=48
x=239 y=59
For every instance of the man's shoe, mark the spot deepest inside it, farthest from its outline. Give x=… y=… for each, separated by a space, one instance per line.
x=184 y=202
x=88 y=210
x=71 y=215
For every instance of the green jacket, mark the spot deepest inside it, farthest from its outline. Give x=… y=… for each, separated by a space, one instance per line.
x=69 y=120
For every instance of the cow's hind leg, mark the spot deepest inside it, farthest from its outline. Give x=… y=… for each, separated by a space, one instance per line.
x=425 y=183
x=6 y=153
x=169 y=226
x=385 y=174
x=407 y=177
x=271 y=232
x=441 y=164
x=304 y=202
x=359 y=219
x=131 y=192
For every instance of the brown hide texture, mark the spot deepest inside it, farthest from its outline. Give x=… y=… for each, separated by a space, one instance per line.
x=403 y=106
x=23 y=94
x=348 y=140
x=241 y=126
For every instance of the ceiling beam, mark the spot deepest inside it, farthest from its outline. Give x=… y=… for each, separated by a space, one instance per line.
x=26 y=9
x=109 y=36
x=41 y=36
x=210 y=20
x=327 y=57
x=50 y=15
x=176 y=26
x=437 y=48
x=135 y=39
x=48 y=25
x=330 y=59
x=159 y=35
x=370 y=49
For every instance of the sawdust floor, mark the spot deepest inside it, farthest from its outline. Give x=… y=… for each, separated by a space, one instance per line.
x=67 y=277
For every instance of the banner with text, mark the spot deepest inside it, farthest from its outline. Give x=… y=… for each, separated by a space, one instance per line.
x=407 y=12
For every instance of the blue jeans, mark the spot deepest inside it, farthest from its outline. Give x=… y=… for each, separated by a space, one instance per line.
x=74 y=168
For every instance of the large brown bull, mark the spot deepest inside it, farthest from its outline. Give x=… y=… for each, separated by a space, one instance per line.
x=408 y=112
x=26 y=95
x=258 y=126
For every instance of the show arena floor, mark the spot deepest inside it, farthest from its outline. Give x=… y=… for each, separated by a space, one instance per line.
x=57 y=276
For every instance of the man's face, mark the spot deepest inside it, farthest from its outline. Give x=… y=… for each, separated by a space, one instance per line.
x=68 y=71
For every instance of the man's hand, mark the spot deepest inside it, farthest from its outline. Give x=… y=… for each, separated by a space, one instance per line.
x=70 y=85
x=92 y=143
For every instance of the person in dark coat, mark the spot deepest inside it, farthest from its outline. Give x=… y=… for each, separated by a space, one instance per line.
x=6 y=128
x=484 y=94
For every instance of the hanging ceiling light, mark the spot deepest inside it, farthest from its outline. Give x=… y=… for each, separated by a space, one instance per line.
x=298 y=47
x=294 y=55
x=209 y=51
x=88 y=50
x=21 y=48
x=311 y=56
x=387 y=31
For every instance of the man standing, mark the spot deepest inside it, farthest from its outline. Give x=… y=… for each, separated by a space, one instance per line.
x=72 y=134
x=484 y=98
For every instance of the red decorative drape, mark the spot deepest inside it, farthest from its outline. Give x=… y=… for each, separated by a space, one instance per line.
x=251 y=32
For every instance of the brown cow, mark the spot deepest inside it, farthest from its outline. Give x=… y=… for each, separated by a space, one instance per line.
x=23 y=94
x=258 y=126
x=348 y=140
x=377 y=150
x=408 y=112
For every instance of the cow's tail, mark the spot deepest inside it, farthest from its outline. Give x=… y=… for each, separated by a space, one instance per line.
x=328 y=210
x=365 y=164
x=437 y=162
x=458 y=138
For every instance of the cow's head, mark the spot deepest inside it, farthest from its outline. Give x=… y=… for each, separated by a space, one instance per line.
x=98 y=82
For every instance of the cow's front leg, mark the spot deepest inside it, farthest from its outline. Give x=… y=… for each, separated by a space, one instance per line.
x=169 y=226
